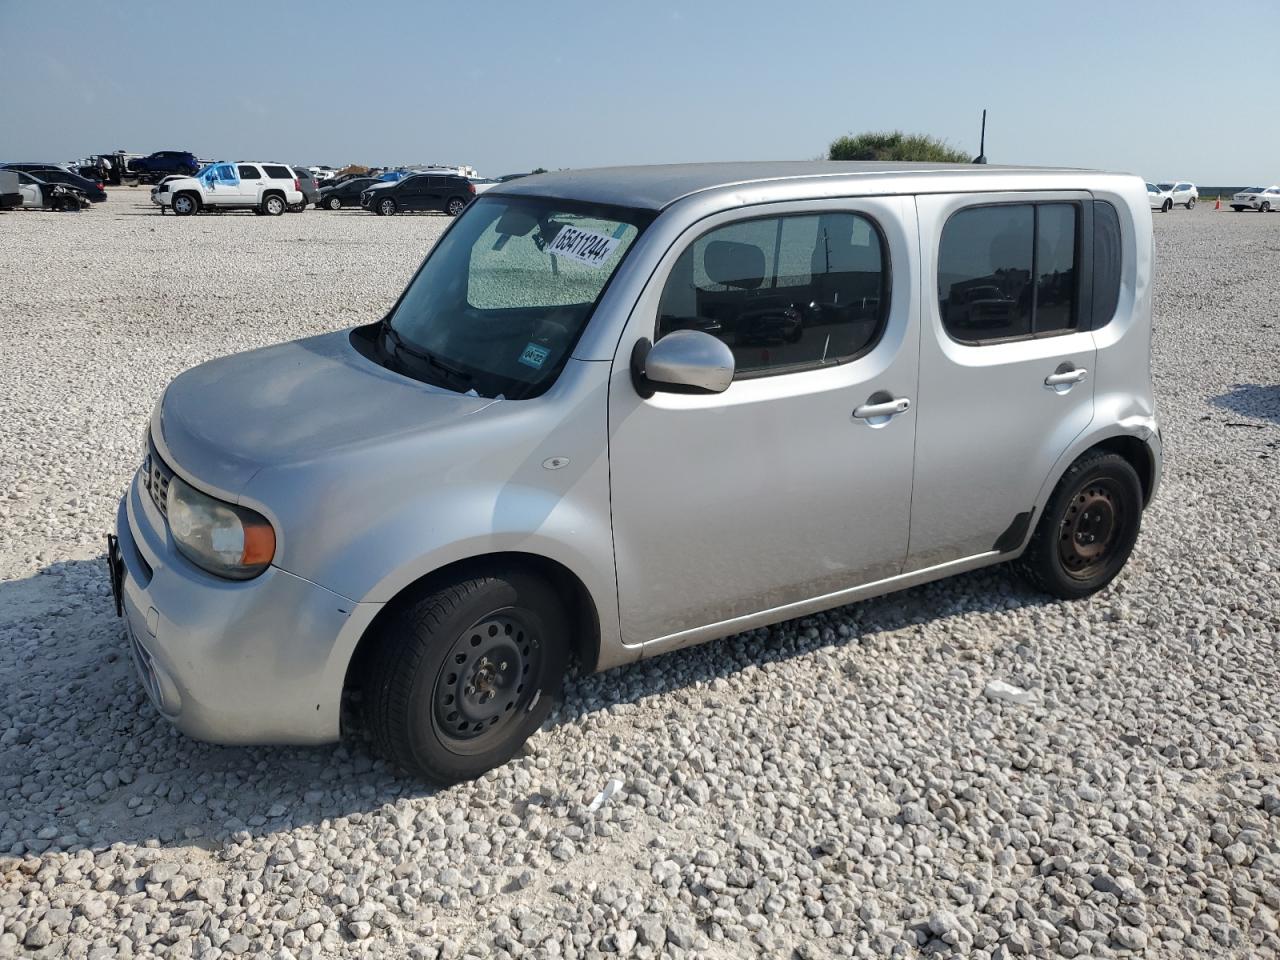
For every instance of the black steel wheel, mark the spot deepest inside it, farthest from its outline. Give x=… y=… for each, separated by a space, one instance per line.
x=459 y=676
x=492 y=673
x=1088 y=528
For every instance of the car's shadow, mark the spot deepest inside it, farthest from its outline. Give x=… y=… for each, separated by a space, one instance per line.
x=1251 y=400
x=85 y=760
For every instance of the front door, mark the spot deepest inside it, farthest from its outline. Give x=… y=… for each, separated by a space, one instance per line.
x=1006 y=364
x=413 y=193
x=794 y=483
x=221 y=185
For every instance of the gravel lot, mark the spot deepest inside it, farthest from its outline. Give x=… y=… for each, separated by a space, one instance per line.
x=834 y=786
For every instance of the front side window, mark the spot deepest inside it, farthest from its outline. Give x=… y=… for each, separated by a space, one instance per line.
x=504 y=295
x=1008 y=271
x=784 y=293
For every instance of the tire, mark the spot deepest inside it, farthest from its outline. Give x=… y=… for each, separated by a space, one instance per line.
x=503 y=624
x=1265 y=208
x=386 y=207
x=1237 y=209
x=1190 y=204
x=1099 y=498
x=184 y=205
x=455 y=206
x=1168 y=205
x=273 y=205
x=334 y=203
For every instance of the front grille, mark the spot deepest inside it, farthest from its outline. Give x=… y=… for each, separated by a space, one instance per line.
x=155 y=477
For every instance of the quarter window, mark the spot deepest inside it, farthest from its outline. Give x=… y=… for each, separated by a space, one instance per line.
x=783 y=293
x=1106 y=262
x=1009 y=271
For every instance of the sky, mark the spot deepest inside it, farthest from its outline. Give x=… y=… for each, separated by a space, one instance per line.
x=1145 y=88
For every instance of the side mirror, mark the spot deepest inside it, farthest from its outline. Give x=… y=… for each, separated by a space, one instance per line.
x=684 y=361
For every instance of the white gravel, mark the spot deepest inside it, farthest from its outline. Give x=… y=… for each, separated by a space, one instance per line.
x=844 y=785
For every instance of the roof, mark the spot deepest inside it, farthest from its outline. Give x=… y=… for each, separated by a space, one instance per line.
x=658 y=186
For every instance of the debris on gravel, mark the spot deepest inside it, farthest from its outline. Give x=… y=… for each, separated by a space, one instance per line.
x=841 y=785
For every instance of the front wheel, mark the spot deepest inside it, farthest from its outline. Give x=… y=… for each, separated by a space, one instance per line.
x=1237 y=209
x=1265 y=208
x=1168 y=205
x=184 y=205
x=273 y=205
x=1088 y=528
x=455 y=206
x=462 y=676
x=334 y=203
x=387 y=207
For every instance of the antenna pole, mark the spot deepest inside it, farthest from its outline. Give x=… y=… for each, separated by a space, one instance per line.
x=982 y=143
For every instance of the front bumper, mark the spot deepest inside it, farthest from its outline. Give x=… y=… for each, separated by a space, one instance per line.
x=236 y=662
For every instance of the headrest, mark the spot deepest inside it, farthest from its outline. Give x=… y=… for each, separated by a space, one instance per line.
x=733 y=264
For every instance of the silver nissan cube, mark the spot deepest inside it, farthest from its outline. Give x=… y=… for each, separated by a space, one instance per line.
x=620 y=411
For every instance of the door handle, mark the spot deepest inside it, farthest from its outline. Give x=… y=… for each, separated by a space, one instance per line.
x=883 y=409
x=1065 y=377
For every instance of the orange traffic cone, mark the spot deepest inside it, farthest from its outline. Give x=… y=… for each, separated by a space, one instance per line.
x=1217 y=204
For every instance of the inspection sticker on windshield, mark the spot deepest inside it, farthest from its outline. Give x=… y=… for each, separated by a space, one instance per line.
x=585 y=246
x=534 y=356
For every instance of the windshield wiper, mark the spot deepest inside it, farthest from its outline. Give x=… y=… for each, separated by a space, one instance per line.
x=400 y=346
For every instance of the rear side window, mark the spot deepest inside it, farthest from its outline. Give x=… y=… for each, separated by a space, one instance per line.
x=248 y=172
x=276 y=172
x=1009 y=271
x=1106 y=262
x=784 y=293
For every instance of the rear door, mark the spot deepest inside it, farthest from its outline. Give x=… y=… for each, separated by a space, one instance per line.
x=1006 y=363
x=252 y=182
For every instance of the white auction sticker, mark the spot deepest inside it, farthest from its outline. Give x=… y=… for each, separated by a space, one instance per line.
x=585 y=246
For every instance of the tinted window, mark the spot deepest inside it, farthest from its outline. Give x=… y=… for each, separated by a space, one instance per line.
x=1106 y=262
x=984 y=272
x=1055 y=306
x=987 y=259
x=277 y=172
x=247 y=172
x=783 y=292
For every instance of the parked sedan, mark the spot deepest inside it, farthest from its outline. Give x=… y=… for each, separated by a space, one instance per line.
x=446 y=193
x=1262 y=199
x=345 y=194
x=41 y=194
x=93 y=191
x=1159 y=198
x=1181 y=192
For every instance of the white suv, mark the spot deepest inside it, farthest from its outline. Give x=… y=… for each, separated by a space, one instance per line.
x=1181 y=192
x=261 y=187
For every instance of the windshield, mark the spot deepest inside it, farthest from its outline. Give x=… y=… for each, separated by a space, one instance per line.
x=1252 y=190
x=1166 y=186
x=502 y=299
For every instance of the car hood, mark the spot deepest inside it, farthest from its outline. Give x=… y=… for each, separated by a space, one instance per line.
x=382 y=185
x=225 y=420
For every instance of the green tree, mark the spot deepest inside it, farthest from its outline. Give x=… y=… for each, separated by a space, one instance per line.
x=895 y=145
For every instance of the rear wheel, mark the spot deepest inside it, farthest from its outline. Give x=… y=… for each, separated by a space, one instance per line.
x=387 y=207
x=334 y=203
x=455 y=206
x=273 y=205
x=1088 y=528
x=459 y=678
x=1191 y=203
x=184 y=204
x=1168 y=205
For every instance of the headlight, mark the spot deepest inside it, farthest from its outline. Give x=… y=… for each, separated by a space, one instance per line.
x=220 y=537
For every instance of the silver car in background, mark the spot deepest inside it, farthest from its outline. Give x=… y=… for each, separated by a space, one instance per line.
x=620 y=411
